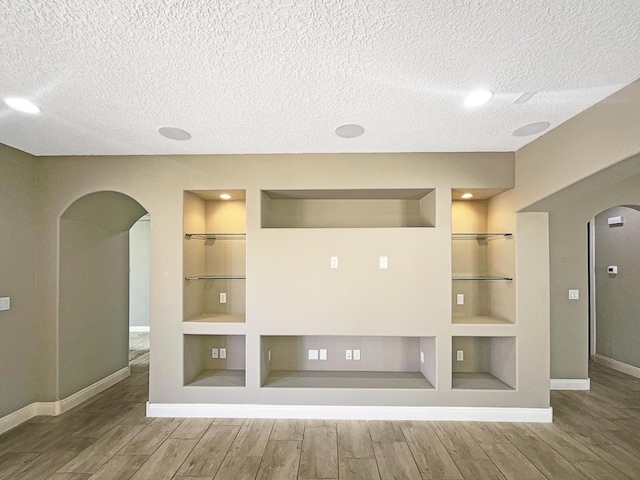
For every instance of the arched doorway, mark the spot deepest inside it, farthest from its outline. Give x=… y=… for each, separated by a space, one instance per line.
x=93 y=308
x=614 y=284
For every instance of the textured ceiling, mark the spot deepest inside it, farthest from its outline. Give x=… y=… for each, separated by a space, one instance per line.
x=250 y=76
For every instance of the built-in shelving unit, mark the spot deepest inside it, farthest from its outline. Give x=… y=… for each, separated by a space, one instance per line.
x=369 y=208
x=348 y=362
x=488 y=363
x=214 y=360
x=214 y=257
x=475 y=284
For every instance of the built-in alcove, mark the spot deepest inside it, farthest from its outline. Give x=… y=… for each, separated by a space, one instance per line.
x=486 y=363
x=370 y=208
x=214 y=360
x=214 y=256
x=317 y=361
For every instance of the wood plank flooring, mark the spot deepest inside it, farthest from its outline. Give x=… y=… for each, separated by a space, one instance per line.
x=595 y=436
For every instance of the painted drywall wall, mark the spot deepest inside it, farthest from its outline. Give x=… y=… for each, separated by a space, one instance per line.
x=139 y=272
x=569 y=212
x=596 y=147
x=18 y=243
x=617 y=300
x=94 y=289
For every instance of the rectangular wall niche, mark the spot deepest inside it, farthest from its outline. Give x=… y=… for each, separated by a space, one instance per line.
x=378 y=208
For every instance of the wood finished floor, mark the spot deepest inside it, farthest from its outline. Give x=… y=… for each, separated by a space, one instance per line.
x=595 y=436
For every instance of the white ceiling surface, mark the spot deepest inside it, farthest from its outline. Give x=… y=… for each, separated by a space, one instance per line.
x=251 y=76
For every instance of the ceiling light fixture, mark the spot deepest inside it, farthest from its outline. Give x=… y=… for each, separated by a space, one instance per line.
x=174 y=133
x=22 y=105
x=477 y=98
x=466 y=195
x=225 y=196
x=531 y=129
x=349 y=130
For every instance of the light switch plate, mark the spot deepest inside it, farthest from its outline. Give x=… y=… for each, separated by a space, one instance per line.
x=313 y=354
x=460 y=355
x=334 y=262
x=384 y=263
x=223 y=353
x=460 y=299
x=323 y=354
x=421 y=356
x=223 y=297
x=5 y=303
x=356 y=354
x=574 y=294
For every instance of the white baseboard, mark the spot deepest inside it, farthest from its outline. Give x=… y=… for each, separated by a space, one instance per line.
x=570 y=384
x=133 y=329
x=331 y=412
x=617 y=365
x=56 y=408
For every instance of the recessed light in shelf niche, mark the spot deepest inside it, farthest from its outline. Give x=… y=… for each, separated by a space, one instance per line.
x=225 y=196
x=349 y=130
x=22 y=105
x=466 y=196
x=531 y=129
x=477 y=98
x=174 y=133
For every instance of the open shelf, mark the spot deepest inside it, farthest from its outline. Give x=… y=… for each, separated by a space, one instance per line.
x=479 y=320
x=477 y=381
x=370 y=208
x=481 y=277
x=214 y=236
x=489 y=363
x=200 y=369
x=385 y=362
x=345 y=379
x=217 y=277
x=479 y=236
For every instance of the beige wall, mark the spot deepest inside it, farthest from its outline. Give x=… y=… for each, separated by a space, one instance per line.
x=573 y=172
x=18 y=240
x=93 y=314
x=617 y=299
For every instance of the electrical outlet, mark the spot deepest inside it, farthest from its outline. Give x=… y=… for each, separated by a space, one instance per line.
x=460 y=355
x=348 y=355
x=215 y=353
x=5 y=303
x=356 y=354
x=323 y=354
x=574 y=294
x=334 y=262
x=313 y=354
x=223 y=297
x=421 y=356
x=269 y=355
x=384 y=263
x=460 y=299
x=223 y=353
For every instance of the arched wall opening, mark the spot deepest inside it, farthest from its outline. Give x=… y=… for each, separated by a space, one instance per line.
x=615 y=282
x=93 y=307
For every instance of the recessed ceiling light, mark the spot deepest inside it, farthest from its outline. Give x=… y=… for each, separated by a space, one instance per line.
x=22 y=105
x=467 y=195
x=349 y=130
x=477 y=98
x=530 y=129
x=225 y=196
x=174 y=133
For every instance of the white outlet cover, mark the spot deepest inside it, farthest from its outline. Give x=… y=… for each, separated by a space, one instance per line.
x=348 y=354
x=384 y=263
x=269 y=355
x=356 y=354
x=214 y=353
x=223 y=353
x=574 y=294
x=460 y=355
x=334 y=262
x=323 y=354
x=421 y=356
x=313 y=354
x=5 y=303
x=223 y=297
x=460 y=299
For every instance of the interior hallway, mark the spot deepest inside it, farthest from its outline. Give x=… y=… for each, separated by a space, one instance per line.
x=595 y=435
